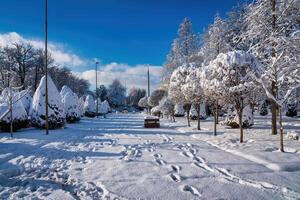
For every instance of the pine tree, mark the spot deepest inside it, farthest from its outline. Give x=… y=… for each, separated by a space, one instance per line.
x=183 y=48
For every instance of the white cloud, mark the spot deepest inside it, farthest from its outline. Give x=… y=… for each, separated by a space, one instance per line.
x=132 y=76
x=61 y=56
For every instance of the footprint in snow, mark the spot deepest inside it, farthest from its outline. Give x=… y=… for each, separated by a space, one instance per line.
x=161 y=162
x=192 y=190
x=187 y=154
x=157 y=155
x=199 y=159
x=176 y=168
x=175 y=177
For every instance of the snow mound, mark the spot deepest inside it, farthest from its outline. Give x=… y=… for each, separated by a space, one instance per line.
x=56 y=115
x=293 y=135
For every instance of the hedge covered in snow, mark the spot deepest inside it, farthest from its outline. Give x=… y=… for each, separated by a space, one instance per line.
x=56 y=115
x=70 y=103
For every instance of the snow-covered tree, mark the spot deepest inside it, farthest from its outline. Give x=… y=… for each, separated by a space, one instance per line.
x=156 y=96
x=56 y=115
x=25 y=98
x=214 y=40
x=167 y=107
x=212 y=91
x=263 y=109
x=183 y=49
x=156 y=111
x=116 y=94
x=232 y=118
x=233 y=74
x=194 y=112
x=177 y=81
x=179 y=110
x=143 y=103
x=193 y=91
x=70 y=104
x=12 y=112
x=104 y=108
x=89 y=106
x=81 y=106
x=273 y=32
x=135 y=94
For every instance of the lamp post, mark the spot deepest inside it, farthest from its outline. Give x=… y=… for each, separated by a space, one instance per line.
x=96 y=69
x=46 y=67
x=148 y=76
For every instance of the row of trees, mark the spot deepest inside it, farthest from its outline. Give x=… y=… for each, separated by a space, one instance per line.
x=251 y=55
x=116 y=95
x=21 y=66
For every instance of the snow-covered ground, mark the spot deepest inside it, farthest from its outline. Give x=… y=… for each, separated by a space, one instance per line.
x=116 y=158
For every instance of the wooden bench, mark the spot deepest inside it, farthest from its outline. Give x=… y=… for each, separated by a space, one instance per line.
x=151 y=123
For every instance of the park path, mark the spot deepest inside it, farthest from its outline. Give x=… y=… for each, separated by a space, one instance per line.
x=117 y=158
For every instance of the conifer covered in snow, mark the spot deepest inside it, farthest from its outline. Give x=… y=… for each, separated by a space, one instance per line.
x=263 y=109
x=167 y=107
x=215 y=40
x=89 y=106
x=70 y=104
x=184 y=47
x=104 y=108
x=25 y=98
x=143 y=103
x=179 y=110
x=56 y=115
x=81 y=106
x=156 y=96
x=18 y=113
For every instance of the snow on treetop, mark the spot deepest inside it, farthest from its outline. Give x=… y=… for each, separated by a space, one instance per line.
x=65 y=89
x=89 y=104
x=104 y=107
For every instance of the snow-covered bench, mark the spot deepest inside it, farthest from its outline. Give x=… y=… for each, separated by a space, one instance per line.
x=151 y=122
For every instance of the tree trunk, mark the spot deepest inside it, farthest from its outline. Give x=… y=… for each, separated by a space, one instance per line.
x=198 y=116
x=217 y=112
x=240 y=113
x=274 y=89
x=273 y=110
x=215 y=119
x=281 y=129
x=188 y=117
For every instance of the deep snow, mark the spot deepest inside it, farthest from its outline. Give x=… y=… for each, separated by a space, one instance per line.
x=117 y=158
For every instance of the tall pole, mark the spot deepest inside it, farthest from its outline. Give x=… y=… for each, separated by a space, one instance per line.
x=46 y=67
x=148 y=76
x=96 y=69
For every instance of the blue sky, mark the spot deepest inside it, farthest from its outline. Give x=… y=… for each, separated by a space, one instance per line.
x=131 y=32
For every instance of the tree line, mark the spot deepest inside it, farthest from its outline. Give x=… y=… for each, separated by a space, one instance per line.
x=243 y=61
